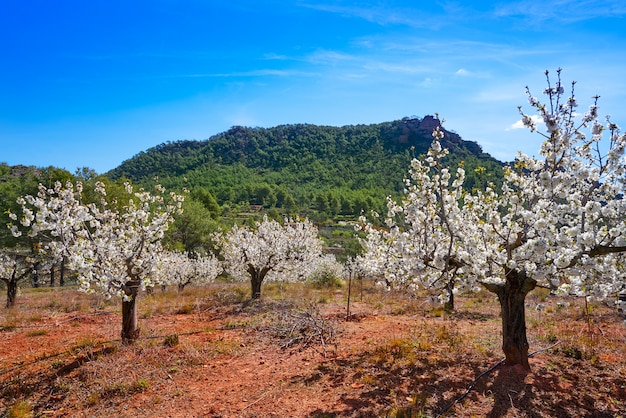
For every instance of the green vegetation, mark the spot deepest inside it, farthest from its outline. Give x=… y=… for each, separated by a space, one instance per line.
x=322 y=172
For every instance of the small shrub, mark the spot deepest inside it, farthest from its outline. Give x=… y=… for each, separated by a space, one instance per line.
x=140 y=385
x=84 y=343
x=572 y=352
x=20 y=409
x=57 y=364
x=398 y=351
x=121 y=389
x=171 y=340
x=93 y=399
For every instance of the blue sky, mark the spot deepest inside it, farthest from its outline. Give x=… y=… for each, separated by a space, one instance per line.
x=92 y=83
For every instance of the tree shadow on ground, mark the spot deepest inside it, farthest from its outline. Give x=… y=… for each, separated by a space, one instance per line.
x=376 y=383
x=428 y=384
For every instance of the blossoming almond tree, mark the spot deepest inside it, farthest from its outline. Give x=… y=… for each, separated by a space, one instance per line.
x=559 y=221
x=113 y=249
x=13 y=269
x=271 y=251
x=181 y=268
x=420 y=247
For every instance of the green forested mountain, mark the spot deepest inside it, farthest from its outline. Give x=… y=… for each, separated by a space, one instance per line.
x=303 y=168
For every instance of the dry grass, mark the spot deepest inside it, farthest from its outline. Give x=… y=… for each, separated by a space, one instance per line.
x=209 y=351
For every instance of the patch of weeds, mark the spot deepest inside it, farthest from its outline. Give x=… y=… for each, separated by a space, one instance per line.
x=52 y=305
x=485 y=347
x=20 y=409
x=225 y=297
x=395 y=352
x=35 y=318
x=57 y=364
x=121 y=389
x=140 y=385
x=146 y=312
x=7 y=327
x=572 y=352
x=171 y=340
x=439 y=312
x=549 y=338
x=323 y=298
x=224 y=347
x=74 y=307
x=93 y=399
x=325 y=280
x=186 y=309
x=541 y=294
x=368 y=379
x=236 y=324
x=406 y=412
x=84 y=343
x=114 y=389
x=37 y=333
x=451 y=337
x=560 y=306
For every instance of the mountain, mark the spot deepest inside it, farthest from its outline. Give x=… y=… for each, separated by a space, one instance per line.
x=304 y=167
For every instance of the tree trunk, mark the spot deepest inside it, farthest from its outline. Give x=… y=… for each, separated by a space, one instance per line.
x=512 y=296
x=62 y=273
x=448 y=306
x=130 y=330
x=52 y=276
x=11 y=293
x=256 y=286
x=35 y=278
x=256 y=278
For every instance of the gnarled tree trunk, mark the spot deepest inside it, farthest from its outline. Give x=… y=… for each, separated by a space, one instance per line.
x=256 y=279
x=11 y=292
x=130 y=329
x=512 y=296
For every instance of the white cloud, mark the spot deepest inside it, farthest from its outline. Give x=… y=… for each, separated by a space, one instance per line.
x=520 y=125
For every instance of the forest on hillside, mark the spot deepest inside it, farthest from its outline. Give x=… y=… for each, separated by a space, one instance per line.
x=321 y=171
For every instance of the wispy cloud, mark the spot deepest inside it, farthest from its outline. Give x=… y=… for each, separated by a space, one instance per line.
x=567 y=11
x=252 y=73
x=327 y=57
x=384 y=16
